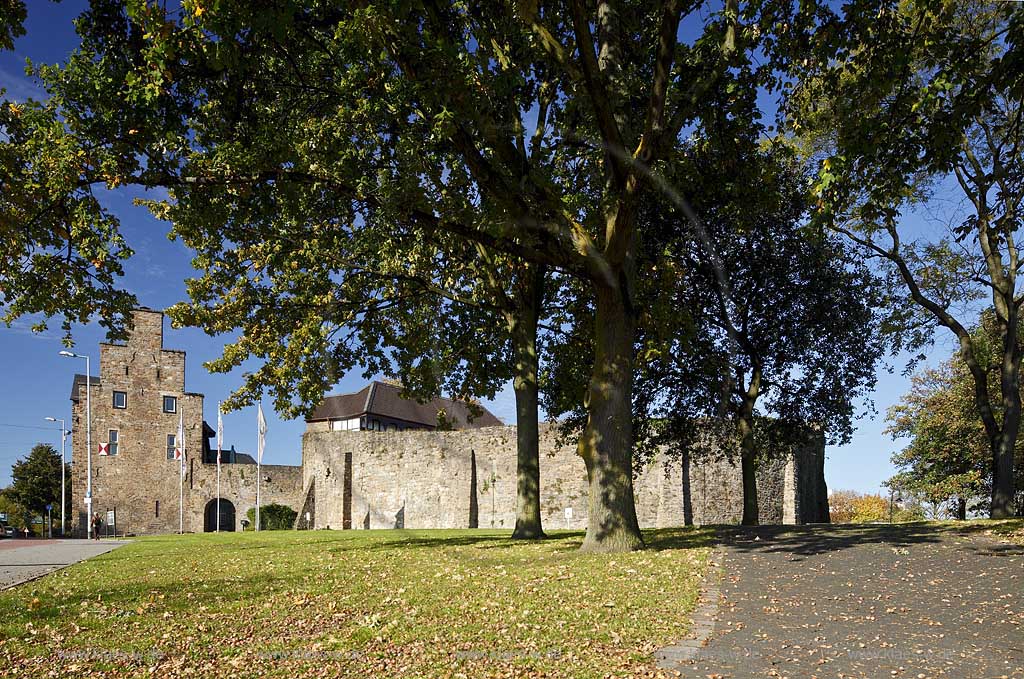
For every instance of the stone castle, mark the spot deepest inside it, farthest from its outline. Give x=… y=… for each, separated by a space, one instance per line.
x=136 y=402
x=371 y=460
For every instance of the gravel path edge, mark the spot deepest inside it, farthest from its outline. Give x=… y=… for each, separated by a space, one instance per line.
x=679 y=654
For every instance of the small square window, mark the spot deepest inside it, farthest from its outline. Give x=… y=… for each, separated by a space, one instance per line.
x=170 y=446
x=120 y=399
x=112 y=442
x=170 y=404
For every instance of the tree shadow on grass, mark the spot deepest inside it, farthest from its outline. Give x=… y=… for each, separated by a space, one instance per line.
x=401 y=539
x=560 y=541
x=679 y=538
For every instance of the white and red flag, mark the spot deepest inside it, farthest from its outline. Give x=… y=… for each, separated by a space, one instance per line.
x=179 y=442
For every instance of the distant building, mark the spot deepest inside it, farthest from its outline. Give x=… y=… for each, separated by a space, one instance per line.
x=379 y=406
x=137 y=401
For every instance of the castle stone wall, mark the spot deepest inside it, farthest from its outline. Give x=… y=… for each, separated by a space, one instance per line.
x=455 y=479
x=368 y=479
x=279 y=484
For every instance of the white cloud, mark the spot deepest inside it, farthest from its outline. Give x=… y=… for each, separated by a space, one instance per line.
x=23 y=326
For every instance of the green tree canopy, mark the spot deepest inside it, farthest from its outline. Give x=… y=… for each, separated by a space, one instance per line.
x=947 y=460
x=35 y=480
x=17 y=514
x=306 y=145
x=750 y=313
x=903 y=100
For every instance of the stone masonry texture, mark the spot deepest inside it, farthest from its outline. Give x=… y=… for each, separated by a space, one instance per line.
x=424 y=479
x=140 y=483
x=370 y=479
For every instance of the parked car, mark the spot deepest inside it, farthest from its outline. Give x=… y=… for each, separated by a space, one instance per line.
x=10 y=532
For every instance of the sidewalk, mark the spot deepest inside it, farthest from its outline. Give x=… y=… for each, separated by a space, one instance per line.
x=24 y=560
x=865 y=601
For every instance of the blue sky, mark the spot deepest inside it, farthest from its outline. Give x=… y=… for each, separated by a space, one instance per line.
x=38 y=380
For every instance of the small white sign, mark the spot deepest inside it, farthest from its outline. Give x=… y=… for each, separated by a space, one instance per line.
x=568 y=513
x=88 y=501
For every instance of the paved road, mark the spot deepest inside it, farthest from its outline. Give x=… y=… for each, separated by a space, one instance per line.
x=22 y=560
x=878 y=601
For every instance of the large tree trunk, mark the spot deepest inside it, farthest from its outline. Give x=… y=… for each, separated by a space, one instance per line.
x=606 y=444
x=1002 y=468
x=1005 y=444
x=524 y=343
x=748 y=451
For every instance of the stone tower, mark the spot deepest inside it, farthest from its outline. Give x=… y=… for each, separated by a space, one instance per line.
x=136 y=402
x=137 y=399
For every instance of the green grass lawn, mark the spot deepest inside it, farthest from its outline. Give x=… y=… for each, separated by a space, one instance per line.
x=356 y=603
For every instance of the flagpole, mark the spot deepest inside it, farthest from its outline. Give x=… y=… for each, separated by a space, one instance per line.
x=259 y=457
x=220 y=436
x=181 y=473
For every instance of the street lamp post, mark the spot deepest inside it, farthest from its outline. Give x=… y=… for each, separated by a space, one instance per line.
x=63 y=464
x=88 y=437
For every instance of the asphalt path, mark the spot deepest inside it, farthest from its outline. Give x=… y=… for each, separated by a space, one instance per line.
x=863 y=601
x=24 y=560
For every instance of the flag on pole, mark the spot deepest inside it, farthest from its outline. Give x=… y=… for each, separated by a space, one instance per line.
x=179 y=441
x=262 y=428
x=220 y=432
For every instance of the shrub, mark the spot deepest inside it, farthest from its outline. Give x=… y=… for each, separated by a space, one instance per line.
x=869 y=509
x=849 y=506
x=272 y=517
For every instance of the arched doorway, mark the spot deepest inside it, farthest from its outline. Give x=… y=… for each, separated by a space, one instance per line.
x=227 y=516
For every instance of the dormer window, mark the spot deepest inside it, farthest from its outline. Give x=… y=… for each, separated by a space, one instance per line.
x=170 y=404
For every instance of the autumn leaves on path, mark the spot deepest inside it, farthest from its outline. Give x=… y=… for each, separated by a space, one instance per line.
x=867 y=601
